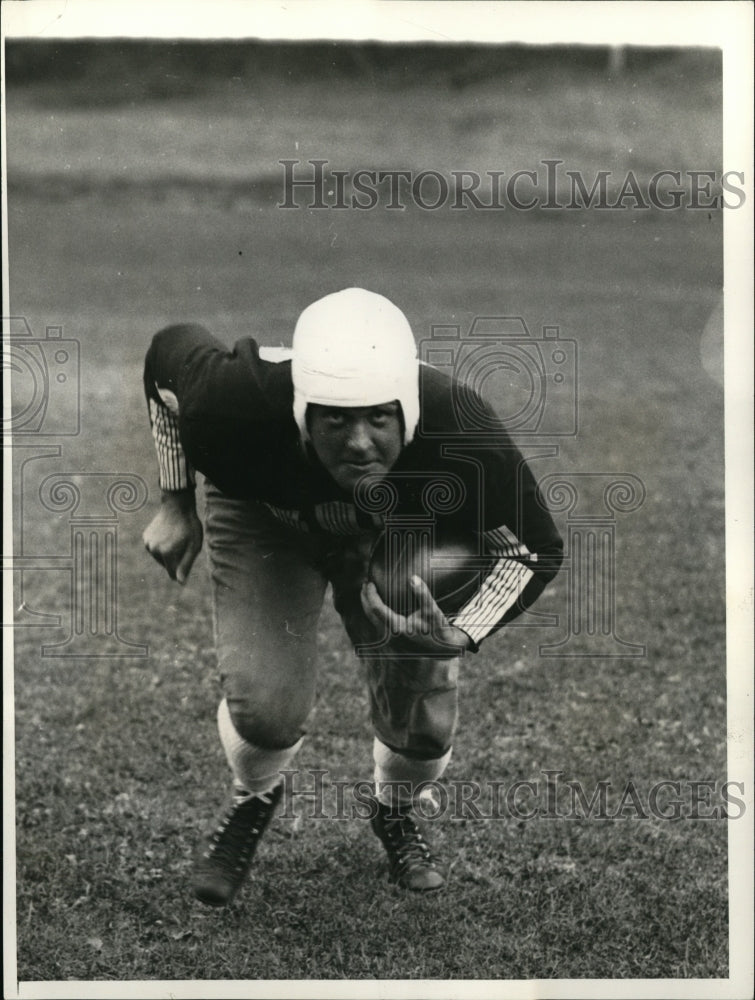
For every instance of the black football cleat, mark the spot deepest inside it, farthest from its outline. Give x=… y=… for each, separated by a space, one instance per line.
x=411 y=863
x=222 y=867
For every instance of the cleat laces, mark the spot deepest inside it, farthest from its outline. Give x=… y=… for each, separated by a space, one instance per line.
x=227 y=857
x=406 y=844
x=411 y=861
x=233 y=841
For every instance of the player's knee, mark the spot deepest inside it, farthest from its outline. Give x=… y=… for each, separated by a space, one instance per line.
x=269 y=696
x=273 y=726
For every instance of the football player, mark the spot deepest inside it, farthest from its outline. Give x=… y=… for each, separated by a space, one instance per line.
x=295 y=448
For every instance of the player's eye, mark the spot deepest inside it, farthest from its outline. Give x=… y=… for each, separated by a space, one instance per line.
x=380 y=417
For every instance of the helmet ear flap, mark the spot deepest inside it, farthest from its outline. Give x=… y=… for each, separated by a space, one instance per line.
x=402 y=422
x=300 y=414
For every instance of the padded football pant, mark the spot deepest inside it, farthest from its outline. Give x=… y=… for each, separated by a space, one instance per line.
x=269 y=583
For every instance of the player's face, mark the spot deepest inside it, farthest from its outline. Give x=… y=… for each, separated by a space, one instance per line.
x=352 y=441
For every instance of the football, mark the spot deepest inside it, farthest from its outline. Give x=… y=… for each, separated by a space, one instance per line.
x=452 y=566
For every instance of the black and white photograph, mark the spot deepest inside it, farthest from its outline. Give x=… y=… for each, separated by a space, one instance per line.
x=378 y=499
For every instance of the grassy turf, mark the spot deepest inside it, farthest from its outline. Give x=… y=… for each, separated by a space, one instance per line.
x=118 y=767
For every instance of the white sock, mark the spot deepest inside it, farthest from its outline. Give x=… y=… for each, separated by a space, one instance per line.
x=396 y=776
x=256 y=770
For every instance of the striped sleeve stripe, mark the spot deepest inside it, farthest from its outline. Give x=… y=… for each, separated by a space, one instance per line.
x=175 y=471
x=502 y=541
x=497 y=594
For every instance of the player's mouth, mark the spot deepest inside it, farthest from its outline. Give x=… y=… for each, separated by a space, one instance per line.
x=351 y=472
x=361 y=468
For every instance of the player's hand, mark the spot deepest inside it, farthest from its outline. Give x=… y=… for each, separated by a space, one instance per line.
x=174 y=537
x=425 y=631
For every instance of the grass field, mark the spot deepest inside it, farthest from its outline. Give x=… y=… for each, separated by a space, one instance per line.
x=118 y=765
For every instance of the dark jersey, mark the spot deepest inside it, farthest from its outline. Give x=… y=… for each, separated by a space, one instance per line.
x=229 y=414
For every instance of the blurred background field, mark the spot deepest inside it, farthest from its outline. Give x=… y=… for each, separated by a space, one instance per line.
x=143 y=182
x=221 y=114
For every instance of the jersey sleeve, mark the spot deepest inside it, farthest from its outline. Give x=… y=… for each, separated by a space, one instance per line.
x=175 y=472
x=515 y=581
x=223 y=411
x=172 y=354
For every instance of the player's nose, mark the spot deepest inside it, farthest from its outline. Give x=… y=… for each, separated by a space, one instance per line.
x=359 y=440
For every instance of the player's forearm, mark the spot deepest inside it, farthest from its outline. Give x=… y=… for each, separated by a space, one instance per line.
x=509 y=590
x=498 y=593
x=175 y=472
